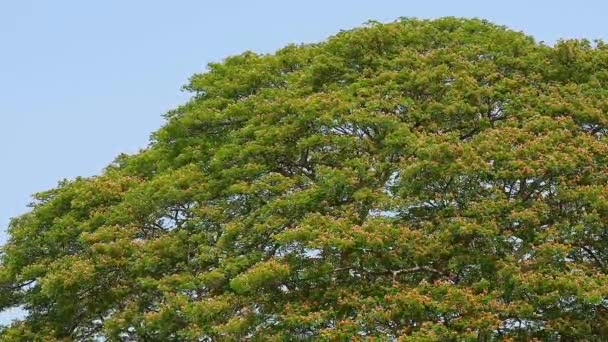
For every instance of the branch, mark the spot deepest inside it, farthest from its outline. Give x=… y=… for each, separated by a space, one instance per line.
x=594 y=257
x=395 y=273
x=417 y=269
x=19 y=286
x=469 y=134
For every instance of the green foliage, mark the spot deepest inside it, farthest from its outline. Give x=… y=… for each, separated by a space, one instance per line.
x=418 y=180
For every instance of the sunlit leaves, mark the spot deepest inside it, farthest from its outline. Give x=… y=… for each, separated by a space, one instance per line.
x=417 y=180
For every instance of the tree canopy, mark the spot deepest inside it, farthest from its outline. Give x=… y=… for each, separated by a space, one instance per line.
x=418 y=180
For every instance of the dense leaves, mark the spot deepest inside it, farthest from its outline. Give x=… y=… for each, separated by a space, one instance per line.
x=417 y=180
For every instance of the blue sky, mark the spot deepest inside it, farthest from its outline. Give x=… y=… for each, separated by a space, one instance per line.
x=82 y=81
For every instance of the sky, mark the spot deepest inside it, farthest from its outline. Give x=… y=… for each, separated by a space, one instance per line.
x=82 y=81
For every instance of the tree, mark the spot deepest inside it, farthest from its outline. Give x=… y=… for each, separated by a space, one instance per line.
x=417 y=180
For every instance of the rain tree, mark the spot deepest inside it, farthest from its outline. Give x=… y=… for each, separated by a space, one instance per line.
x=418 y=180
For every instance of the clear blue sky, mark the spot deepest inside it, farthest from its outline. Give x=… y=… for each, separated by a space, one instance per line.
x=82 y=81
